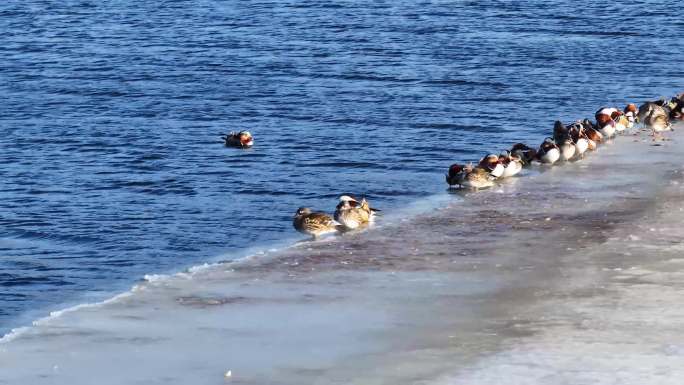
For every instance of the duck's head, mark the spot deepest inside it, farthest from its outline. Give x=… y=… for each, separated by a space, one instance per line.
x=594 y=135
x=678 y=111
x=575 y=130
x=302 y=211
x=348 y=201
x=245 y=138
x=455 y=169
x=558 y=126
x=623 y=120
x=673 y=104
x=615 y=115
x=631 y=107
x=490 y=161
x=515 y=158
x=520 y=147
x=347 y=198
x=548 y=144
x=603 y=120
x=523 y=151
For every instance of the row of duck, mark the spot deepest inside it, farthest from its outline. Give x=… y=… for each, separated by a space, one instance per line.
x=568 y=143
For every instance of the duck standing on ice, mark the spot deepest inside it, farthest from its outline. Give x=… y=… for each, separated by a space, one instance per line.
x=477 y=178
x=579 y=136
x=468 y=176
x=593 y=135
x=492 y=164
x=655 y=116
x=562 y=137
x=525 y=153
x=512 y=164
x=548 y=152
x=242 y=139
x=677 y=107
x=605 y=123
x=631 y=112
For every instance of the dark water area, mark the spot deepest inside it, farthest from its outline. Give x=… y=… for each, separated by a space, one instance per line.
x=112 y=166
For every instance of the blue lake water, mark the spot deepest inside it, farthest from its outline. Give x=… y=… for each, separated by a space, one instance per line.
x=112 y=165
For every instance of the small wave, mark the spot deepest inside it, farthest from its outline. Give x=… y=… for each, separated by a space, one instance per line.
x=53 y=237
x=274 y=193
x=465 y=83
x=9 y=280
x=222 y=261
x=346 y=164
x=16 y=332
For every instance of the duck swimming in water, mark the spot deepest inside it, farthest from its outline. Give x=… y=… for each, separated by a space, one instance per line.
x=353 y=214
x=548 y=152
x=242 y=139
x=314 y=223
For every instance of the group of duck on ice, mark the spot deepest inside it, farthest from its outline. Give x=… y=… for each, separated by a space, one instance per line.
x=568 y=143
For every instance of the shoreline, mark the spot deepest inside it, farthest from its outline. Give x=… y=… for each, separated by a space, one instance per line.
x=364 y=306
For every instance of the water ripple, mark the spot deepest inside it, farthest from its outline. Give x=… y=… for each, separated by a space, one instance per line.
x=112 y=162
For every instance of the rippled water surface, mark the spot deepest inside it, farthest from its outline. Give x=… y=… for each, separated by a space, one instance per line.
x=112 y=165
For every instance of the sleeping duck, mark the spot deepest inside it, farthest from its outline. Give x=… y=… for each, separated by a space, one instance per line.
x=525 y=153
x=592 y=133
x=561 y=135
x=548 y=152
x=604 y=121
x=352 y=214
x=492 y=164
x=469 y=177
x=631 y=112
x=579 y=136
x=512 y=164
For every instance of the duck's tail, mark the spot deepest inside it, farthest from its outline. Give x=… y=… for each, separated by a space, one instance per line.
x=365 y=206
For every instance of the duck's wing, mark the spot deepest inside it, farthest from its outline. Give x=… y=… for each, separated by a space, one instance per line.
x=320 y=221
